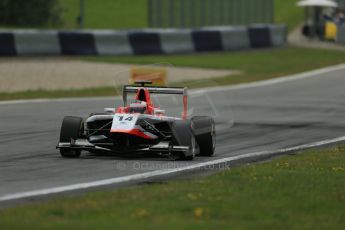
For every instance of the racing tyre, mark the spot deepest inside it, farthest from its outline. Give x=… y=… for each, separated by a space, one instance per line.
x=183 y=136
x=72 y=128
x=205 y=134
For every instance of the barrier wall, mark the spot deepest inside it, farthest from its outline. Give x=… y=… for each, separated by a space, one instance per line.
x=340 y=34
x=139 y=42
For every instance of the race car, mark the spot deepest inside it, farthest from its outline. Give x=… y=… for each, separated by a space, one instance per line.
x=139 y=126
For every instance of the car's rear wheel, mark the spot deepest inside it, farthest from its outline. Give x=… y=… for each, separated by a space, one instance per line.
x=205 y=134
x=71 y=128
x=183 y=137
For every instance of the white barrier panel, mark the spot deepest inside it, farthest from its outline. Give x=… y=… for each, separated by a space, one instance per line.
x=37 y=42
x=176 y=41
x=278 y=34
x=235 y=38
x=341 y=34
x=112 y=43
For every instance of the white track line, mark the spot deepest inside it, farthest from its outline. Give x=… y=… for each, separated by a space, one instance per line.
x=274 y=81
x=278 y=80
x=163 y=172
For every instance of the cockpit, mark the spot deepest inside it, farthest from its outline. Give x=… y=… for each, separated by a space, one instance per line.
x=138 y=106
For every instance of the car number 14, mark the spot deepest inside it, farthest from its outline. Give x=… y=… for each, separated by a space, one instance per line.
x=122 y=118
x=124 y=122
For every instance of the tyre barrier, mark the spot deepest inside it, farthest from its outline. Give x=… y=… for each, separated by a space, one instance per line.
x=140 y=42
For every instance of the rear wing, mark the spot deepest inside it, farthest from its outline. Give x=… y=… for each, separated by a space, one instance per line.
x=158 y=90
x=154 y=90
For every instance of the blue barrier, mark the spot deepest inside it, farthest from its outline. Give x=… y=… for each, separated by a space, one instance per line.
x=145 y=43
x=205 y=40
x=77 y=43
x=259 y=36
x=7 y=44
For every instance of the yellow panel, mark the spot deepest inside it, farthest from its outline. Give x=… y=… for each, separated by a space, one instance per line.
x=158 y=76
x=330 y=31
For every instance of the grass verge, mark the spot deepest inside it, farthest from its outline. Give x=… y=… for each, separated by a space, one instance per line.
x=255 y=65
x=124 y=14
x=34 y=94
x=107 y=14
x=304 y=191
x=286 y=12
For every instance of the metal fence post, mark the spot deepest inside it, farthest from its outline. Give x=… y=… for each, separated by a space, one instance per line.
x=159 y=13
x=233 y=12
x=81 y=16
x=182 y=13
x=192 y=10
x=272 y=12
x=171 y=10
x=203 y=12
x=150 y=13
x=222 y=9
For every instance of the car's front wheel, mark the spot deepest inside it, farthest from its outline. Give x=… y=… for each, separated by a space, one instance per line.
x=71 y=128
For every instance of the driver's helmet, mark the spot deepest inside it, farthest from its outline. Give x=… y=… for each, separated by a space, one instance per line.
x=137 y=106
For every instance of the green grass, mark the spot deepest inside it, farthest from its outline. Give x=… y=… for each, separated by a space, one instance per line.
x=122 y=14
x=288 y=13
x=34 y=94
x=109 y=14
x=255 y=65
x=271 y=62
x=306 y=191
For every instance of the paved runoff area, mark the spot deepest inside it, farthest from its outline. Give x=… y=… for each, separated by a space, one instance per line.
x=22 y=74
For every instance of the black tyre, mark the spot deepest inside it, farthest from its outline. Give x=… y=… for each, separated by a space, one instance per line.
x=183 y=136
x=71 y=128
x=205 y=134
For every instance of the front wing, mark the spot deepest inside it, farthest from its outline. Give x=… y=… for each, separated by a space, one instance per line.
x=84 y=144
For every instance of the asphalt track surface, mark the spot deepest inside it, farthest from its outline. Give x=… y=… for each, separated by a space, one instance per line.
x=259 y=118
